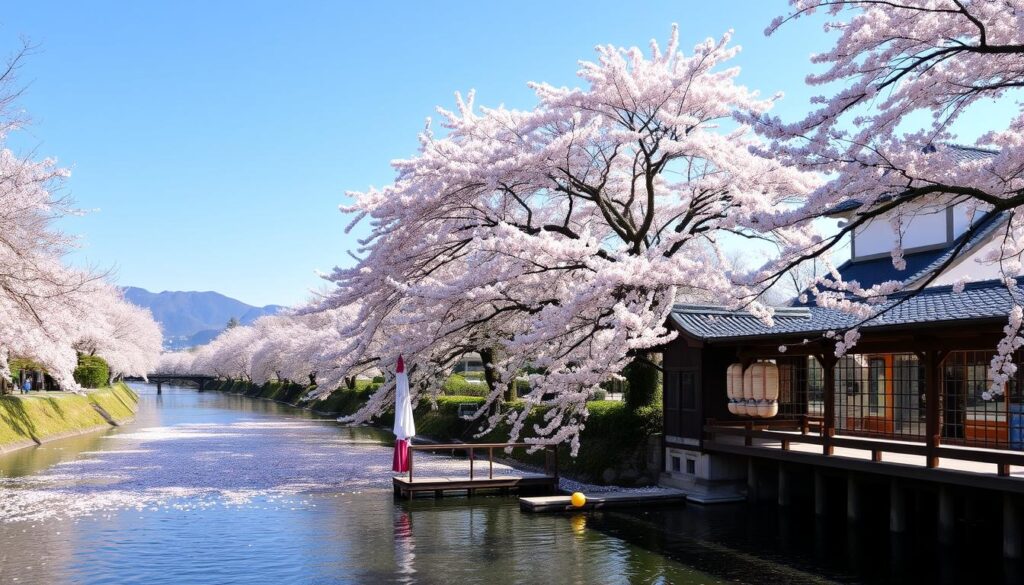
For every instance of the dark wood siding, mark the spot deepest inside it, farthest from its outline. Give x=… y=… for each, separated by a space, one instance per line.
x=682 y=393
x=715 y=400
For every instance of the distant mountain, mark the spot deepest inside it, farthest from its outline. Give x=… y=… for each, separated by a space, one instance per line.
x=194 y=318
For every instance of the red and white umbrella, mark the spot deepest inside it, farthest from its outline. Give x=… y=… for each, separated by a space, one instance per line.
x=405 y=427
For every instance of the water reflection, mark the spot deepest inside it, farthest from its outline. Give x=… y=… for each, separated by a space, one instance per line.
x=213 y=488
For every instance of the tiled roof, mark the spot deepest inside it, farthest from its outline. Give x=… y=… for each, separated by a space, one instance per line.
x=982 y=300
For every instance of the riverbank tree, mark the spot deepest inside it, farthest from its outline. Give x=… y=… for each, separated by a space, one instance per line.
x=49 y=311
x=556 y=239
x=563 y=234
x=899 y=77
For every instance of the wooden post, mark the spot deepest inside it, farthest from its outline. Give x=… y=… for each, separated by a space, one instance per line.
x=932 y=397
x=947 y=516
x=828 y=430
x=752 y=495
x=1011 y=527
x=410 y=452
x=852 y=498
x=819 y=493
x=897 y=507
x=490 y=462
x=471 y=458
x=785 y=497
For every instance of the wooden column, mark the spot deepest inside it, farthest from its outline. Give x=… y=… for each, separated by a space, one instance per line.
x=1011 y=527
x=933 y=398
x=819 y=493
x=852 y=498
x=828 y=365
x=752 y=481
x=785 y=486
x=897 y=507
x=947 y=515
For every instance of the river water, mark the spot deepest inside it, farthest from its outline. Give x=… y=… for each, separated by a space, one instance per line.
x=209 y=488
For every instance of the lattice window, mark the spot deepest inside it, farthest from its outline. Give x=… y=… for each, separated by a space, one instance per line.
x=966 y=416
x=880 y=395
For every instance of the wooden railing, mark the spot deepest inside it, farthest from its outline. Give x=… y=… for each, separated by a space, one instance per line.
x=769 y=430
x=550 y=455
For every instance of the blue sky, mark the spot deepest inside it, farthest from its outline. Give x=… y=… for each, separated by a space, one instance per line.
x=215 y=140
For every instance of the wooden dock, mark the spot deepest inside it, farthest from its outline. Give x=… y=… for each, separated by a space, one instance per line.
x=532 y=483
x=602 y=501
x=439 y=486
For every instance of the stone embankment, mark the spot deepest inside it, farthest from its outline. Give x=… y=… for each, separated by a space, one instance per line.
x=32 y=419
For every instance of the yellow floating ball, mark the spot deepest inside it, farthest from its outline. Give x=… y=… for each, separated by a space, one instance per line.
x=578 y=500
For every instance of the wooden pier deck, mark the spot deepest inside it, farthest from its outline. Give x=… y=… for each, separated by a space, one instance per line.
x=484 y=479
x=602 y=501
x=439 y=486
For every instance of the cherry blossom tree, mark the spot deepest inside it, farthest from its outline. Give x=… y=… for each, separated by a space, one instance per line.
x=49 y=311
x=124 y=335
x=562 y=235
x=898 y=78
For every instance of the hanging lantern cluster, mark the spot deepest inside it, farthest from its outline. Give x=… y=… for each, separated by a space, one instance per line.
x=754 y=391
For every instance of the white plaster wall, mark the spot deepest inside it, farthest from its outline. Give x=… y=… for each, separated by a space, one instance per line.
x=970 y=267
x=877 y=237
x=960 y=220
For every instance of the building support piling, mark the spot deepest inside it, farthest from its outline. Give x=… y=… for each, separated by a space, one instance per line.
x=819 y=493
x=947 y=516
x=852 y=499
x=897 y=508
x=1011 y=528
x=785 y=486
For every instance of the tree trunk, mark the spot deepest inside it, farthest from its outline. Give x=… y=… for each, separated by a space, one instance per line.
x=488 y=355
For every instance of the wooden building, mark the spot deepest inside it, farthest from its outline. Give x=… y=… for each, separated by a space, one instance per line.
x=910 y=402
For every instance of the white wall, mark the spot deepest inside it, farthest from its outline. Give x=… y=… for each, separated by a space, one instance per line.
x=970 y=267
x=877 y=236
x=961 y=221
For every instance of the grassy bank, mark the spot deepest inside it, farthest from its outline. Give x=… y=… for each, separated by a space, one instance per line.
x=614 y=442
x=37 y=417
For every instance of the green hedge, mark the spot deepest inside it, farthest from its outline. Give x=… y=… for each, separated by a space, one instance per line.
x=92 y=371
x=458 y=385
x=343 y=402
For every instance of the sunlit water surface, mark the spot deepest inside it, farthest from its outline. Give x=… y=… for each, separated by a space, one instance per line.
x=213 y=488
x=208 y=488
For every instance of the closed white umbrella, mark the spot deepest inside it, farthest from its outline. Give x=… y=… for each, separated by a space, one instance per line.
x=405 y=427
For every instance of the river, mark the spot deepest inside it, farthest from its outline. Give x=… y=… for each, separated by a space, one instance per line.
x=209 y=488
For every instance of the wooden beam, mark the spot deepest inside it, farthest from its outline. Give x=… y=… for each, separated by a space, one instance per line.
x=933 y=476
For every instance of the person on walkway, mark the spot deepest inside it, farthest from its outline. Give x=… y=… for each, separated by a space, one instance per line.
x=26 y=386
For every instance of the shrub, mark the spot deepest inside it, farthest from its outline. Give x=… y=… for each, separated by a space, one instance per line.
x=92 y=371
x=599 y=395
x=458 y=385
x=643 y=384
x=377 y=380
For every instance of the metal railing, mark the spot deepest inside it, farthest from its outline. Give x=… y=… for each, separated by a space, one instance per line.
x=550 y=455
